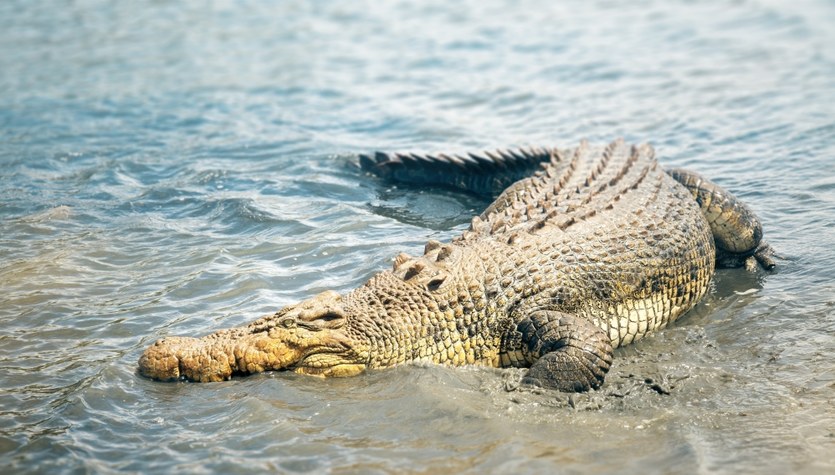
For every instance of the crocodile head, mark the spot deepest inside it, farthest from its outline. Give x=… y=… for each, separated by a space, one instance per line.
x=311 y=337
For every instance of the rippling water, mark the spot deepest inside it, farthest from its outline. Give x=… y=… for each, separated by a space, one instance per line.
x=174 y=168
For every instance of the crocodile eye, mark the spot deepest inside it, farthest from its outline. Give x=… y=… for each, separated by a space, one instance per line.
x=288 y=323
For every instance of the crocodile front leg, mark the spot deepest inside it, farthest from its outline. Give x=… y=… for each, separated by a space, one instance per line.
x=569 y=353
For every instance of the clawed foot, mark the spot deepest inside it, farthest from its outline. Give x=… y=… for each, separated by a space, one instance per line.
x=763 y=256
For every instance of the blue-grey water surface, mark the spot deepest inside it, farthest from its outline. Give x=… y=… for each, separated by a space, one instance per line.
x=173 y=168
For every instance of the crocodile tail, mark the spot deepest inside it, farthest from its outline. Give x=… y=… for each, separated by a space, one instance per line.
x=486 y=173
x=736 y=229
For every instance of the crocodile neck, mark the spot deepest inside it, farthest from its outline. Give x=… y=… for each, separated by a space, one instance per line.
x=459 y=322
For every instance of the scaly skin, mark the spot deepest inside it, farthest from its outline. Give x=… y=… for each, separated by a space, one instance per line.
x=596 y=250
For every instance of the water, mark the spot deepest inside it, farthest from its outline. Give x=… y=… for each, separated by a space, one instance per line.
x=170 y=168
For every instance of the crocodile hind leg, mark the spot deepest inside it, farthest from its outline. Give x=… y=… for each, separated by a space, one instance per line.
x=569 y=353
x=736 y=229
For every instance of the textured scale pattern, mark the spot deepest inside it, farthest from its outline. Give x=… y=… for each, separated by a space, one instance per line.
x=595 y=249
x=581 y=212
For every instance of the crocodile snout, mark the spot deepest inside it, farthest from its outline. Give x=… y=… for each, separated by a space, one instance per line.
x=173 y=358
x=161 y=360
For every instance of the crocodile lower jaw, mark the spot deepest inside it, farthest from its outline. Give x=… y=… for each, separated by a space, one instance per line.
x=339 y=370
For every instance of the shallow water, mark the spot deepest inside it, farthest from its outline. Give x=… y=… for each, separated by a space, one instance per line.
x=172 y=169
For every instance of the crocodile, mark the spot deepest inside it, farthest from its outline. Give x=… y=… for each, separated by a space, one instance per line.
x=583 y=250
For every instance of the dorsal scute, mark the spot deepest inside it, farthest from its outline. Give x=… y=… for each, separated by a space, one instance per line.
x=571 y=191
x=428 y=271
x=485 y=173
